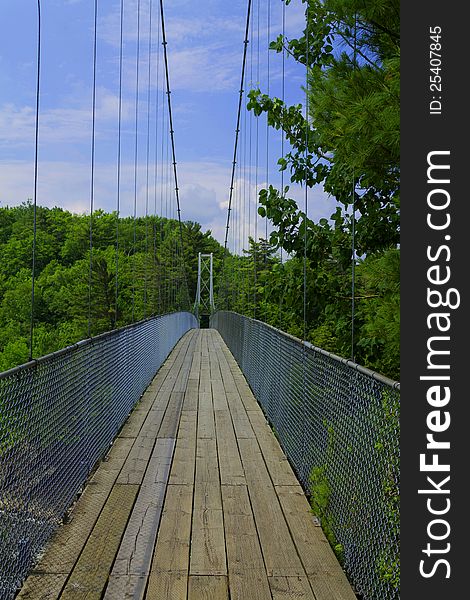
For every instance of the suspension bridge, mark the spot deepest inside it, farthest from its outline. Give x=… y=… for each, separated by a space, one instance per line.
x=175 y=457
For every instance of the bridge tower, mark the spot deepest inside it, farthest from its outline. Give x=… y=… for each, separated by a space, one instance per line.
x=204 y=305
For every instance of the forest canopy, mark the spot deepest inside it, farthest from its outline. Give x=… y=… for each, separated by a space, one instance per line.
x=136 y=272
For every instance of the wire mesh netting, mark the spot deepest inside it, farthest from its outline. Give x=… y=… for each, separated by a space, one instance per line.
x=58 y=417
x=338 y=424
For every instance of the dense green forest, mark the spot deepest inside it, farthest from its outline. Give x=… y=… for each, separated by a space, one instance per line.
x=136 y=272
x=150 y=281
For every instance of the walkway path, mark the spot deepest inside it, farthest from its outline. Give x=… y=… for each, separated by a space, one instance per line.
x=194 y=501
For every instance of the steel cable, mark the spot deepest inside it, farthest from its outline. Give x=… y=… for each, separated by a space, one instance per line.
x=172 y=138
x=118 y=196
x=92 y=166
x=35 y=192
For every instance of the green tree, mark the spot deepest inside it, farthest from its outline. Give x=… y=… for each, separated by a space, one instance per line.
x=350 y=140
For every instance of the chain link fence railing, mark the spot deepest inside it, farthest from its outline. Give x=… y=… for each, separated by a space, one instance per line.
x=338 y=424
x=58 y=417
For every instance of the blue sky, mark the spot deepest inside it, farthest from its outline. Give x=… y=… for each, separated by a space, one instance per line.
x=205 y=45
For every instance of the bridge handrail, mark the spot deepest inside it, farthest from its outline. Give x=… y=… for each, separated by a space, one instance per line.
x=59 y=415
x=338 y=424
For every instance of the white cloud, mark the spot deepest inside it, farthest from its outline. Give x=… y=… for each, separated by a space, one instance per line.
x=67 y=125
x=202 y=69
x=204 y=193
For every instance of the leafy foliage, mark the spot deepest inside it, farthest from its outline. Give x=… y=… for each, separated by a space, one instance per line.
x=349 y=144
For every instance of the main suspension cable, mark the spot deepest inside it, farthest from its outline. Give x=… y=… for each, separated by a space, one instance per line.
x=172 y=137
x=237 y=131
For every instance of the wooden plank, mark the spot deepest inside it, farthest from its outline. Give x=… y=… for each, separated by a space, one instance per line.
x=155 y=416
x=169 y=571
x=205 y=401
x=207 y=542
x=184 y=460
x=167 y=586
x=243 y=547
x=204 y=377
x=172 y=548
x=134 y=423
x=136 y=549
x=196 y=362
x=286 y=588
x=169 y=426
x=207 y=538
x=158 y=470
x=90 y=575
x=205 y=424
x=42 y=586
x=246 y=569
x=234 y=378
x=279 y=551
x=276 y=461
x=240 y=419
x=204 y=587
x=326 y=577
x=66 y=545
x=219 y=399
x=126 y=587
x=191 y=397
x=250 y=584
x=230 y=465
x=253 y=462
x=207 y=469
x=107 y=472
x=136 y=464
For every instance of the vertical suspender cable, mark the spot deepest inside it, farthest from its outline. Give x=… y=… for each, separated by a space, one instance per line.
x=162 y=192
x=136 y=152
x=157 y=273
x=118 y=197
x=36 y=151
x=255 y=255
x=250 y=173
x=168 y=217
x=175 y=173
x=283 y=94
x=92 y=167
x=268 y=75
x=353 y=224
x=244 y=238
x=304 y=352
x=306 y=177
x=149 y=73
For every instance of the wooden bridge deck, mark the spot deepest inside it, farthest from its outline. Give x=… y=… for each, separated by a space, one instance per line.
x=194 y=501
